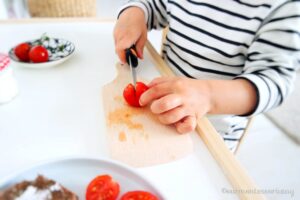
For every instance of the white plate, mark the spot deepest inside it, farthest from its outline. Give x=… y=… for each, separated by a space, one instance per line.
x=76 y=173
x=56 y=56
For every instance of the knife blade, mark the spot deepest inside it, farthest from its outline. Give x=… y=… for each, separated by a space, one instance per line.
x=132 y=61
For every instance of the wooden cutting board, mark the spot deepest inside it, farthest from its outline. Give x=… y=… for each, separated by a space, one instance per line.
x=134 y=135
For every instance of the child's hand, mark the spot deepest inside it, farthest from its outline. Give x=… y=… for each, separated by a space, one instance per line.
x=130 y=29
x=178 y=101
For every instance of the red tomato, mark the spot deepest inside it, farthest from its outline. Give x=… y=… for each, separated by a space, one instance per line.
x=132 y=96
x=102 y=188
x=138 y=195
x=22 y=52
x=38 y=54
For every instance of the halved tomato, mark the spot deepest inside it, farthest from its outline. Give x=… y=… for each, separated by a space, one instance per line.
x=102 y=188
x=138 y=195
x=132 y=95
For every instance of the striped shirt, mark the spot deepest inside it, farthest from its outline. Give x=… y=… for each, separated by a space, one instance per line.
x=227 y=39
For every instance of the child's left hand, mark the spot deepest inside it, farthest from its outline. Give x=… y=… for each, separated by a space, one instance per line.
x=178 y=101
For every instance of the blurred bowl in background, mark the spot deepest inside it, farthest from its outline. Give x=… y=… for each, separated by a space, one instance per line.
x=59 y=51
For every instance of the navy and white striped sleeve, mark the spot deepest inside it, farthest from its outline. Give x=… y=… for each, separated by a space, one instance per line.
x=155 y=12
x=274 y=56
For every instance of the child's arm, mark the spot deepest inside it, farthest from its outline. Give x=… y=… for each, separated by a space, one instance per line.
x=274 y=56
x=135 y=18
x=266 y=81
x=181 y=101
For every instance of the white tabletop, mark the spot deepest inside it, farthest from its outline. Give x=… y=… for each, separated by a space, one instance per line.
x=58 y=112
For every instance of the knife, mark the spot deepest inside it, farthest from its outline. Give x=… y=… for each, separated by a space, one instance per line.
x=132 y=60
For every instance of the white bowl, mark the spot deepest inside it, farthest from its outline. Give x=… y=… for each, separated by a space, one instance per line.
x=76 y=173
x=56 y=57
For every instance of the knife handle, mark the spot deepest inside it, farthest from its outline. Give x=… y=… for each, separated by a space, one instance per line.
x=131 y=53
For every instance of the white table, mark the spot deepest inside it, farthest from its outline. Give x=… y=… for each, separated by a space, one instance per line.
x=58 y=112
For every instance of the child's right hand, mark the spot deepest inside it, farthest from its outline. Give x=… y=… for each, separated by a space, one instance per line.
x=130 y=29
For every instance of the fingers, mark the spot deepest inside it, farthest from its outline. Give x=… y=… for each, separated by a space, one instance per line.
x=173 y=115
x=186 y=125
x=130 y=29
x=127 y=42
x=122 y=56
x=140 y=45
x=121 y=45
x=165 y=103
x=155 y=92
x=167 y=99
x=159 y=80
x=181 y=118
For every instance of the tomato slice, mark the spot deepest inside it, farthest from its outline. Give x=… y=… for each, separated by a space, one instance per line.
x=102 y=188
x=132 y=96
x=138 y=195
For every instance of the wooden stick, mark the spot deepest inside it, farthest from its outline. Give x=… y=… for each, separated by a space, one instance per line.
x=233 y=170
x=164 y=38
x=246 y=132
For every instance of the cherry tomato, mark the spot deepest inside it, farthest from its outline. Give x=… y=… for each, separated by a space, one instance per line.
x=138 y=195
x=22 y=52
x=38 y=54
x=132 y=96
x=102 y=188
